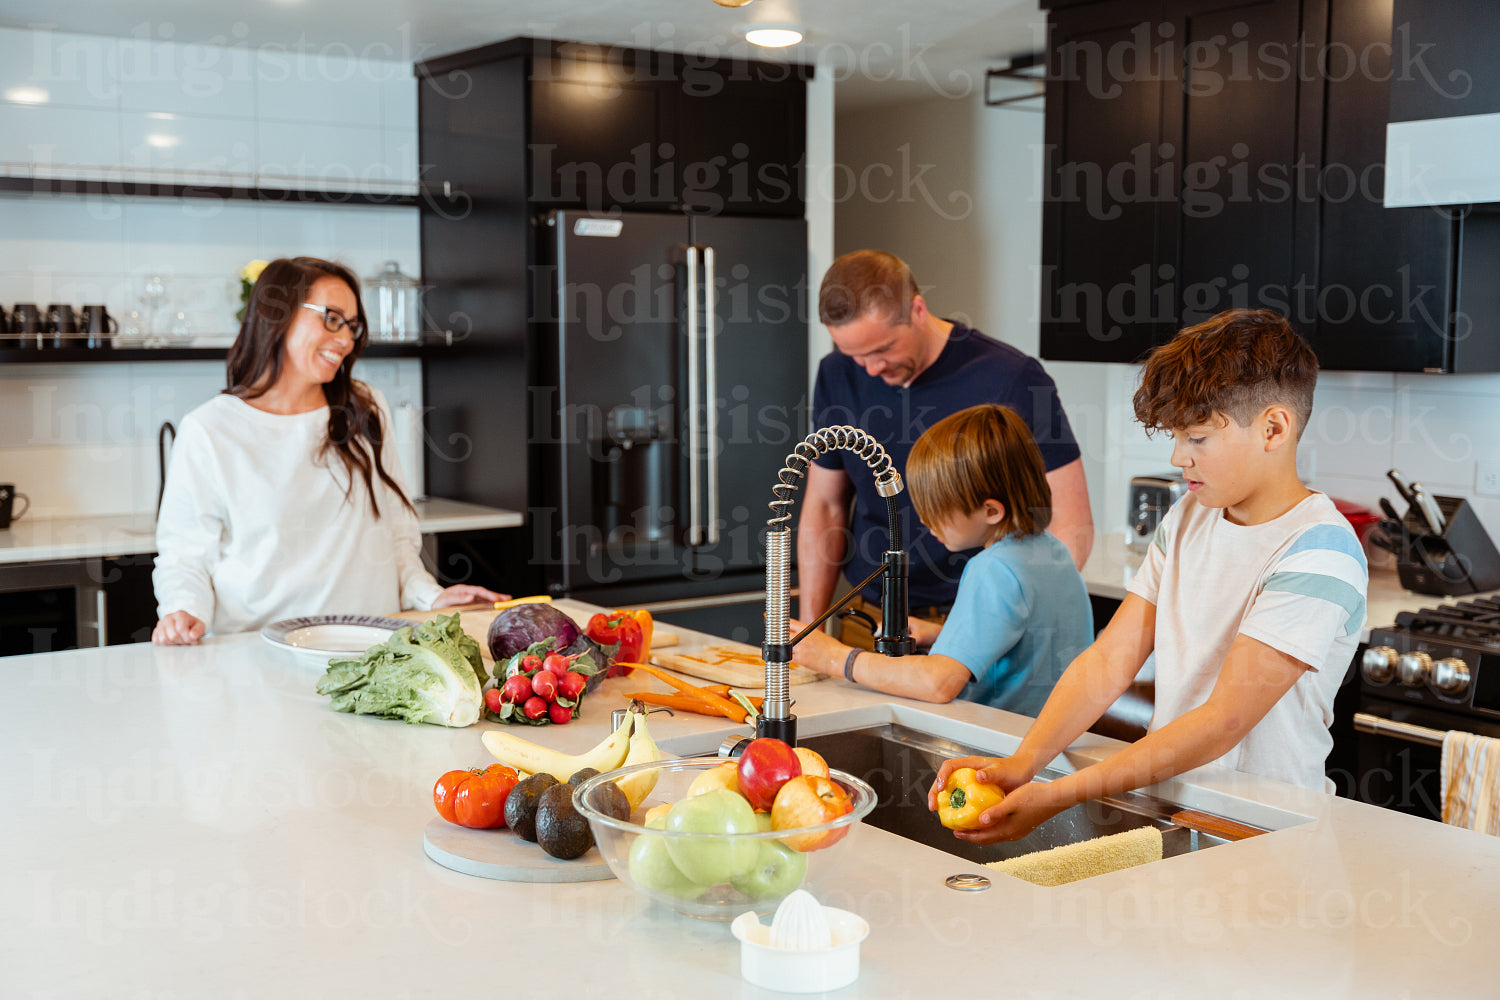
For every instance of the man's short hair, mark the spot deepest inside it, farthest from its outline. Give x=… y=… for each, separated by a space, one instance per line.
x=864 y=282
x=985 y=452
x=1236 y=364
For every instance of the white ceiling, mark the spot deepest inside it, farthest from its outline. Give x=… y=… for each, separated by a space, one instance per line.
x=879 y=51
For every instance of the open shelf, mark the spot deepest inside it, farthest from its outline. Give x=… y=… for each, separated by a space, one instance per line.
x=74 y=355
x=49 y=186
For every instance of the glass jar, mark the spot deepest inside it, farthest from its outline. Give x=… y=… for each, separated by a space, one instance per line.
x=393 y=305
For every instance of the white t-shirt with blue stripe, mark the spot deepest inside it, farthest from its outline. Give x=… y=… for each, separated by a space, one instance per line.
x=1296 y=583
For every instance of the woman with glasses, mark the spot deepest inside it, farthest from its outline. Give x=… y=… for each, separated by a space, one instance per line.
x=283 y=497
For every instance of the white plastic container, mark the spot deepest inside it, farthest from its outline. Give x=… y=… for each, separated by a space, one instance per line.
x=800 y=969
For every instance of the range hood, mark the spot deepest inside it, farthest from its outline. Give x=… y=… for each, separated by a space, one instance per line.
x=1443 y=161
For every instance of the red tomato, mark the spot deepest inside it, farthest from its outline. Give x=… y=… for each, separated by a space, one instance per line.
x=444 y=791
x=556 y=663
x=480 y=801
x=560 y=716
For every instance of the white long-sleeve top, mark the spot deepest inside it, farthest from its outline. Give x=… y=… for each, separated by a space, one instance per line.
x=255 y=527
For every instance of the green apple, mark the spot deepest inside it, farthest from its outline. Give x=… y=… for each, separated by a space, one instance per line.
x=763 y=820
x=711 y=860
x=651 y=868
x=777 y=871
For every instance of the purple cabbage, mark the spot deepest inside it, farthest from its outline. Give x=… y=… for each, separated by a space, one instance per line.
x=524 y=625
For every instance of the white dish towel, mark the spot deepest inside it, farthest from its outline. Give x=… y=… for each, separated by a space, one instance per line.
x=1471 y=782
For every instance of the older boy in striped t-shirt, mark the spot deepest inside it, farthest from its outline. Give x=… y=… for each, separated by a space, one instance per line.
x=1252 y=594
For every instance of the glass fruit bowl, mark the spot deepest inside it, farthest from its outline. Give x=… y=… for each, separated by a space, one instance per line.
x=697 y=869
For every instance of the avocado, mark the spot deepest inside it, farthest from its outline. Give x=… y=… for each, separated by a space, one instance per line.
x=521 y=804
x=612 y=802
x=561 y=830
x=579 y=777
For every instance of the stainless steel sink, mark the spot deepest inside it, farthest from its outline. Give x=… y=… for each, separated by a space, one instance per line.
x=900 y=764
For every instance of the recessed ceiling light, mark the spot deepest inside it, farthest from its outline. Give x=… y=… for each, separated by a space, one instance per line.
x=161 y=140
x=27 y=95
x=772 y=36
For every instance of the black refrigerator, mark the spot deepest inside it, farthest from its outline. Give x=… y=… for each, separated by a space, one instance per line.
x=670 y=384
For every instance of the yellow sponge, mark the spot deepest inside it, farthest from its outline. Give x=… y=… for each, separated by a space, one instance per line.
x=1085 y=859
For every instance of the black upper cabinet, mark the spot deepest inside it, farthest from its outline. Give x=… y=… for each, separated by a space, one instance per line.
x=650 y=130
x=1208 y=154
x=1101 y=294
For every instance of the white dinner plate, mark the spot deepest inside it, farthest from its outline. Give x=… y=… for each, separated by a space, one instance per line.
x=331 y=634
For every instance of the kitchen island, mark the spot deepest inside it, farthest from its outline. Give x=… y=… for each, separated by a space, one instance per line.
x=195 y=821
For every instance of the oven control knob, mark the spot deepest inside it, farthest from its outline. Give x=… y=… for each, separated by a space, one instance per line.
x=1450 y=676
x=1379 y=664
x=1414 y=668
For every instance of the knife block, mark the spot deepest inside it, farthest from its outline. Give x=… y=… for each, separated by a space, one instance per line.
x=1462 y=560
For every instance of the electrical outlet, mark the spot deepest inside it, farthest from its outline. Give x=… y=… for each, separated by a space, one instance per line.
x=1487 y=478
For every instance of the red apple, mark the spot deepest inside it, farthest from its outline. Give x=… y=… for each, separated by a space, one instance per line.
x=809 y=800
x=765 y=766
x=812 y=762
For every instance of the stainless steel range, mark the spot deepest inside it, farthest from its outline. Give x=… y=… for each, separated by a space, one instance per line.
x=1434 y=670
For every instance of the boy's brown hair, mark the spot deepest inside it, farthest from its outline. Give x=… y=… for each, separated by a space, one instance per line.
x=982 y=453
x=866 y=281
x=1235 y=364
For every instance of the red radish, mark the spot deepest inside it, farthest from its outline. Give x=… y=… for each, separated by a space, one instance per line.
x=559 y=714
x=531 y=662
x=534 y=708
x=545 y=685
x=556 y=663
x=492 y=699
x=572 y=684
x=516 y=690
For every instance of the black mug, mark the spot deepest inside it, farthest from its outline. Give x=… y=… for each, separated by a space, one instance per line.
x=98 y=327
x=8 y=497
x=28 y=321
x=62 y=323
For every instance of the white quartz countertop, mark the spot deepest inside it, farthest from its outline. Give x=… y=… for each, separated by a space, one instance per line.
x=42 y=540
x=195 y=821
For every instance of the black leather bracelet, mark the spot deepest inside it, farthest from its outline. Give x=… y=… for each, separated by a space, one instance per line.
x=849 y=665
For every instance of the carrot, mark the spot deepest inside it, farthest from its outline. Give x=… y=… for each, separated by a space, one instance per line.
x=725 y=690
x=720 y=703
x=690 y=703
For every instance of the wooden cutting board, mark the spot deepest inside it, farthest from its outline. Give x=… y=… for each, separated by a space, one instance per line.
x=477 y=624
x=726 y=663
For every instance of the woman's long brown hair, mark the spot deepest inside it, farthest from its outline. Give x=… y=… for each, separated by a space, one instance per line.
x=355 y=433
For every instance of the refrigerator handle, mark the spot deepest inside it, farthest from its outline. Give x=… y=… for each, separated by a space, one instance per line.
x=711 y=391
x=695 y=434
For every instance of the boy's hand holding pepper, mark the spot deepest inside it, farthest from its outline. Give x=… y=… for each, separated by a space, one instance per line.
x=1026 y=803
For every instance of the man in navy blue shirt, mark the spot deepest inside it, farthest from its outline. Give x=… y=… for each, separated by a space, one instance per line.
x=897 y=370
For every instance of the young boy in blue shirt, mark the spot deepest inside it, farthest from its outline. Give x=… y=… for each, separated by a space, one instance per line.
x=1252 y=594
x=1022 y=611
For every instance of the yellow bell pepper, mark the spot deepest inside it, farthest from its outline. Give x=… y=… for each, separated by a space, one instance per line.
x=964 y=799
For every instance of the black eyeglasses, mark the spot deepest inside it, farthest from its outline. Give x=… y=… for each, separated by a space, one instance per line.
x=333 y=321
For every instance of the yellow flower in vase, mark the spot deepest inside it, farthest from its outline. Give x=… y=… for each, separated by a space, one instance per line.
x=248 y=276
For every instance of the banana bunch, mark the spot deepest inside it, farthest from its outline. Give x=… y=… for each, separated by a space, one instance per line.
x=630 y=743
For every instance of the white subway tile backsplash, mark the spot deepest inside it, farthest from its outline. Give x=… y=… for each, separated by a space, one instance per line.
x=398 y=99
x=191 y=236
x=58 y=70
x=326 y=87
x=63 y=406
x=318 y=155
x=187 y=79
x=62 y=235
x=399 y=156
x=1353 y=430
x=65 y=139
x=192 y=149
x=1441 y=435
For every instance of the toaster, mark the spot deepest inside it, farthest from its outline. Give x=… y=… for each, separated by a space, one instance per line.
x=1150 y=499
